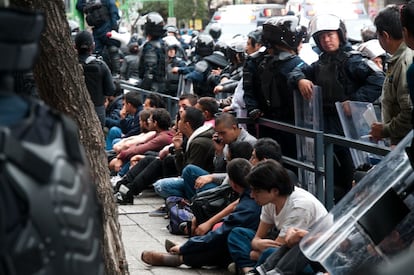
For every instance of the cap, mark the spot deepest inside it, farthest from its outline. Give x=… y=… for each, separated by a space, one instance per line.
x=83 y=40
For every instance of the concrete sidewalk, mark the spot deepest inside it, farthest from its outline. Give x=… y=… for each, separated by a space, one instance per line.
x=141 y=232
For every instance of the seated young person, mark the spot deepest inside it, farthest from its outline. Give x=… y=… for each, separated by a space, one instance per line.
x=211 y=249
x=284 y=206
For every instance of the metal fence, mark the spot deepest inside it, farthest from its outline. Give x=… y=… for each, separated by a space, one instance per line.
x=322 y=166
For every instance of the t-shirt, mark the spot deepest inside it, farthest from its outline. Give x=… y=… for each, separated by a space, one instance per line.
x=301 y=210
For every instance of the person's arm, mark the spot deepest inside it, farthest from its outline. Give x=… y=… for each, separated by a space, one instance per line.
x=114 y=14
x=259 y=243
x=370 y=78
x=400 y=124
x=206 y=226
x=107 y=81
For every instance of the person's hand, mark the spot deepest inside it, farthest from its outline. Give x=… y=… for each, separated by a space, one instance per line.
x=347 y=108
x=203 y=228
x=202 y=180
x=178 y=140
x=115 y=164
x=174 y=70
x=216 y=71
x=175 y=249
x=262 y=244
x=218 y=144
x=294 y=235
x=255 y=114
x=134 y=159
x=227 y=109
x=164 y=151
x=218 y=89
x=306 y=88
x=376 y=131
x=123 y=112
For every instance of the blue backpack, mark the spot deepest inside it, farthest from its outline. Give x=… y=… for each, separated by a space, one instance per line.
x=179 y=212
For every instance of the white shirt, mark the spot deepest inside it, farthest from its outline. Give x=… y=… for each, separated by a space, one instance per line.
x=301 y=210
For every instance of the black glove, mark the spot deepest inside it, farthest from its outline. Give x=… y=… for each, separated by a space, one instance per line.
x=255 y=113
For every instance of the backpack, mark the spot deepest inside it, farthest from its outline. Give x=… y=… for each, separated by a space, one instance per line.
x=179 y=213
x=93 y=72
x=96 y=14
x=206 y=204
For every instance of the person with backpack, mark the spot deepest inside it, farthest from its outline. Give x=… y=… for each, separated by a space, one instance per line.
x=211 y=249
x=97 y=74
x=343 y=74
x=50 y=218
x=273 y=98
x=103 y=16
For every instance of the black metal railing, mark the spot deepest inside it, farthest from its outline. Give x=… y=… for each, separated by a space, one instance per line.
x=322 y=166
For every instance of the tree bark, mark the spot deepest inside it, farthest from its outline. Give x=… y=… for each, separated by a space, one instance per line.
x=60 y=82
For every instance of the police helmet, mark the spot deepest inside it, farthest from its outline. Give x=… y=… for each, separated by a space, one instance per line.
x=256 y=36
x=171 y=42
x=237 y=47
x=215 y=31
x=171 y=29
x=204 y=45
x=285 y=31
x=221 y=46
x=327 y=22
x=154 y=25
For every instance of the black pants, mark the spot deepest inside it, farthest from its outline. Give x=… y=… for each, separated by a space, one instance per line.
x=147 y=171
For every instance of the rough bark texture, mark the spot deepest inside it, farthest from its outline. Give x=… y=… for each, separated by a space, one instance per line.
x=60 y=82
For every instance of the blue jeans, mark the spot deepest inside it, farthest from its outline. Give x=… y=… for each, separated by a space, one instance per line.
x=167 y=187
x=239 y=243
x=190 y=174
x=113 y=136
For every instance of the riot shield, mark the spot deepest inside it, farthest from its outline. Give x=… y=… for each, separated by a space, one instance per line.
x=372 y=223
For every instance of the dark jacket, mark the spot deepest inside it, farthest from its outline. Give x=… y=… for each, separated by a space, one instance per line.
x=200 y=152
x=113 y=117
x=98 y=78
x=151 y=67
x=274 y=97
x=345 y=75
x=130 y=125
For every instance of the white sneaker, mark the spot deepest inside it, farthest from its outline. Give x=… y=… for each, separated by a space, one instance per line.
x=115 y=179
x=232 y=268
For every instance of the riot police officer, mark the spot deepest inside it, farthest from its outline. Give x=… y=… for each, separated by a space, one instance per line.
x=273 y=98
x=342 y=74
x=50 y=221
x=151 y=68
x=103 y=16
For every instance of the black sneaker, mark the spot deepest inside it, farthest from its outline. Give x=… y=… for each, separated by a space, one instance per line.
x=124 y=199
x=160 y=212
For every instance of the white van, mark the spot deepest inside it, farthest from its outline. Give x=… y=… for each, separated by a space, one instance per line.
x=352 y=12
x=243 y=18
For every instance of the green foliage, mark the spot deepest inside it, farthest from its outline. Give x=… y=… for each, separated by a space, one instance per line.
x=184 y=10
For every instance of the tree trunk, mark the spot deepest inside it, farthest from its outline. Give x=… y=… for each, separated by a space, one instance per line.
x=60 y=82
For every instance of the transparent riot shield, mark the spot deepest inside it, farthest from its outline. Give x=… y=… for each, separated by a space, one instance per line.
x=308 y=114
x=356 y=119
x=372 y=223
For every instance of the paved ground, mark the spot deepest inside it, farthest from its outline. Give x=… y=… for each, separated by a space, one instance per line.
x=141 y=232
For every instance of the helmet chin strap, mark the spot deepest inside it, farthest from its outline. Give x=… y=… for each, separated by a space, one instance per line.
x=4 y=3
